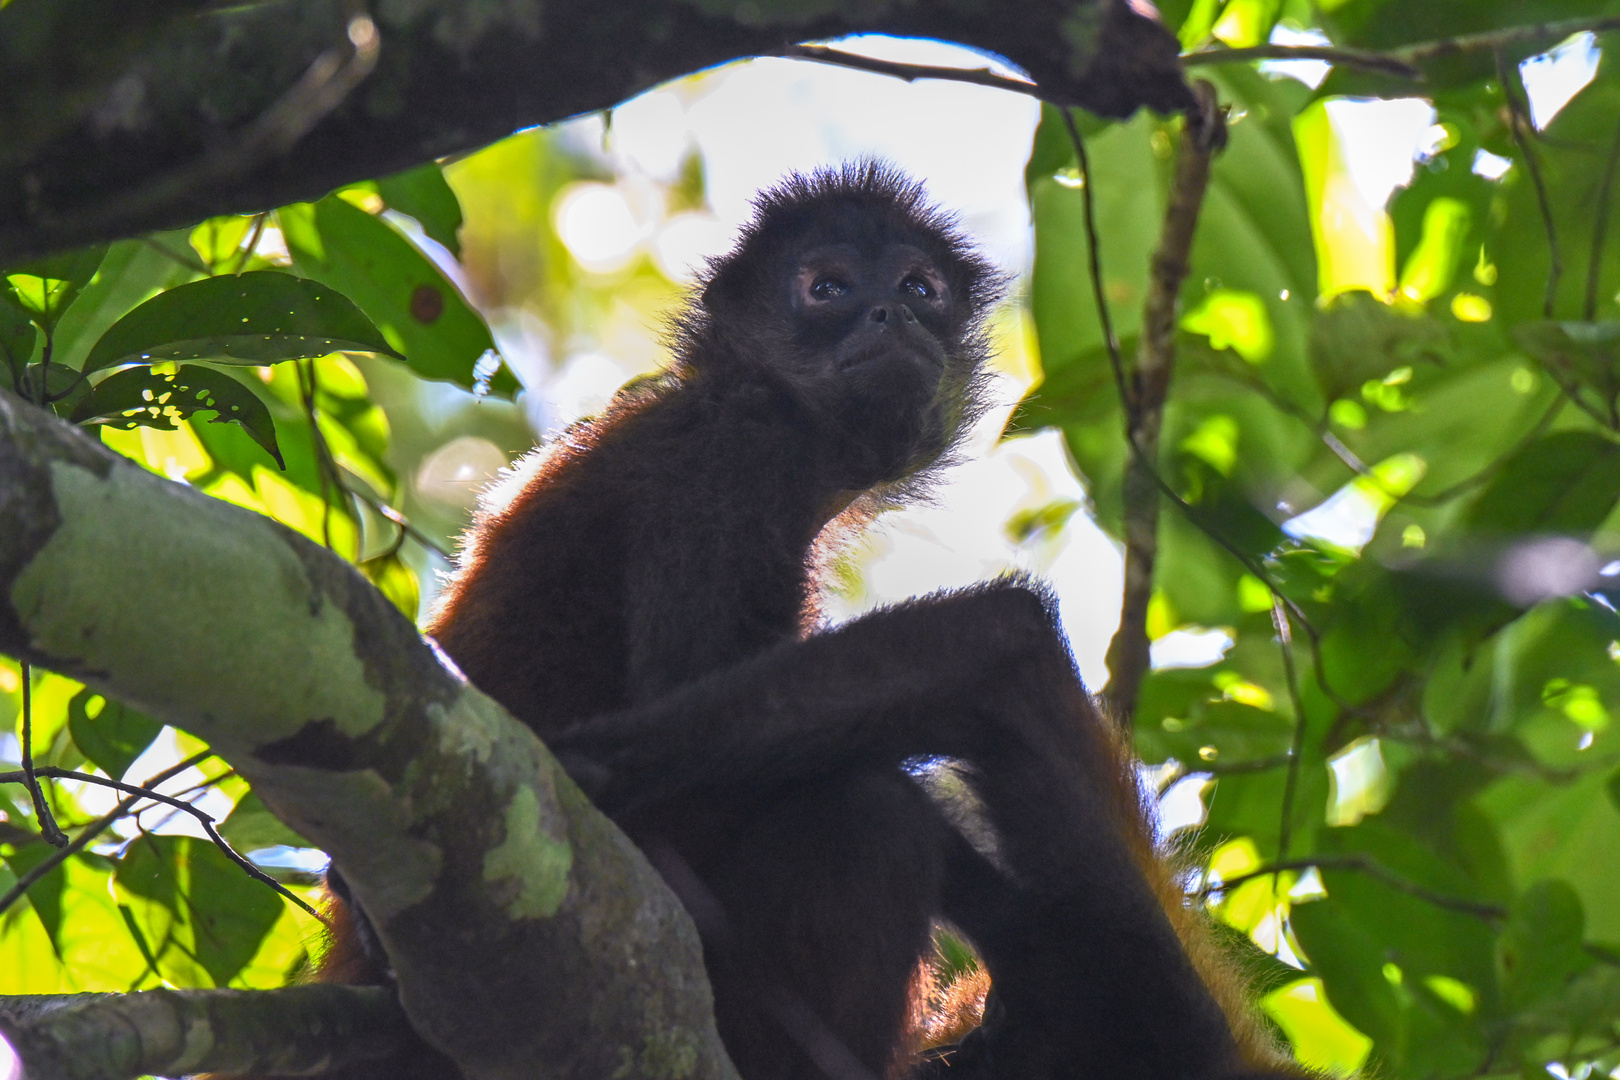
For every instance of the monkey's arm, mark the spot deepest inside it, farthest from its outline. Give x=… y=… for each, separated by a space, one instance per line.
x=900 y=683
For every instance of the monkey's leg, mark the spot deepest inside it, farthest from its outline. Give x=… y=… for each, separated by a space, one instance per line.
x=904 y=682
x=1090 y=977
x=813 y=917
x=1090 y=971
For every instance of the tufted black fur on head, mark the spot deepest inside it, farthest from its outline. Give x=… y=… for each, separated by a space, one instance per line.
x=895 y=392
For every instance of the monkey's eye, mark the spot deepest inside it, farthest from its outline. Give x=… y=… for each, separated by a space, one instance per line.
x=918 y=286
x=827 y=287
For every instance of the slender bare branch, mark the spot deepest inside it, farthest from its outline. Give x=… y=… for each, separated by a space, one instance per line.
x=207 y=822
x=1384 y=63
x=91 y=831
x=1365 y=864
x=909 y=72
x=1147 y=384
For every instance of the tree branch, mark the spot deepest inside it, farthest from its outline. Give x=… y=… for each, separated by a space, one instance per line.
x=1372 y=868
x=1147 y=385
x=120 y=122
x=1384 y=63
x=522 y=925
x=298 y=1030
x=141 y=792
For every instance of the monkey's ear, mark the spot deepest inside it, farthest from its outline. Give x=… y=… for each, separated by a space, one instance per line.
x=728 y=285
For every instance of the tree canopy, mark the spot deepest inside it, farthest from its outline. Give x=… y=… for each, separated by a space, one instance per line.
x=1371 y=448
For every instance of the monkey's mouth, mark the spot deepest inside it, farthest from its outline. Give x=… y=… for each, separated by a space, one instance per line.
x=899 y=355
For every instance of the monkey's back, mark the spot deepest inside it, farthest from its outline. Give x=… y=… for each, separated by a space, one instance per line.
x=609 y=567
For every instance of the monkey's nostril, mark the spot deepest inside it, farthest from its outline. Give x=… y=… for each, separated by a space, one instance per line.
x=905 y=313
x=879 y=314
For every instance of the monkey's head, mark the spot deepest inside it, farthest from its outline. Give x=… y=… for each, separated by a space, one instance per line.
x=859 y=308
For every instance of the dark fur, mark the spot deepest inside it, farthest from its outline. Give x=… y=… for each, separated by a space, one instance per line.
x=641 y=595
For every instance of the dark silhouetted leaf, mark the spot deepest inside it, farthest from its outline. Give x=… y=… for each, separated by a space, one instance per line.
x=257 y=318
x=423 y=194
x=46 y=287
x=142 y=397
x=1564 y=483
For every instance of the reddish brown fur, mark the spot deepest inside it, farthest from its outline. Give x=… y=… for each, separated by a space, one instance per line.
x=641 y=594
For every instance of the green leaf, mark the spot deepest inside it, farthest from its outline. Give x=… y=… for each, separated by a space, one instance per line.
x=114 y=737
x=258 y=318
x=1568 y=830
x=1586 y=354
x=44 y=895
x=1569 y=156
x=1358 y=338
x=1540 y=949
x=421 y=313
x=18 y=337
x=423 y=194
x=46 y=288
x=220 y=238
x=1567 y=482
x=141 y=396
x=220 y=914
x=149 y=869
x=230 y=912
x=251 y=826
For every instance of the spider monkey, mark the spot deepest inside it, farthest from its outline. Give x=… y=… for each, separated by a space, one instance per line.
x=641 y=594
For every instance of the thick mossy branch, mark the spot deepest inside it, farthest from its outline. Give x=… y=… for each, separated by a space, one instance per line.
x=291 y=1032
x=522 y=925
x=124 y=116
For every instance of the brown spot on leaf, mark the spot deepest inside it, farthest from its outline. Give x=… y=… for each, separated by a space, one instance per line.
x=427 y=303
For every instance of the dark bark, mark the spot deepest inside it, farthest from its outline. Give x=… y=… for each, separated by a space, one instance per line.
x=123 y=116
x=440 y=810
x=293 y=1031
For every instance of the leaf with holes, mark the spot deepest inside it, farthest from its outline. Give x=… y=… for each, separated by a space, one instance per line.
x=259 y=318
x=143 y=397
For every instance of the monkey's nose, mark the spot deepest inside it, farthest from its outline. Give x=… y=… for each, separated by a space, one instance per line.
x=878 y=315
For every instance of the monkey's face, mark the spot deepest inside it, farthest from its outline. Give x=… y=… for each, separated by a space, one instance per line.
x=880 y=315
x=859 y=309
x=867 y=329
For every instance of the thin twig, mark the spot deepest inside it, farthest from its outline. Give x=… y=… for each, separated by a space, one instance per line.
x=1372 y=868
x=1216 y=770
x=1501 y=40
x=1600 y=227
x=49 y=831
x=1148 y=380
x=208 y=823
x=194 y=265
x=1384 y=63
x=909 y=72
x=1518 y=119
x=1296 y=748
x=93 y=830
x=325 y=466
x=253 y=241
x=404 y=525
